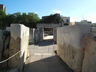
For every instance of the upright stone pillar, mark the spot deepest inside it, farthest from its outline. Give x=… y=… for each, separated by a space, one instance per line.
x=55 y=34
x=19 y=42
x=70 y=45
x=1 y=43
x=40 y=34
x=32 y=36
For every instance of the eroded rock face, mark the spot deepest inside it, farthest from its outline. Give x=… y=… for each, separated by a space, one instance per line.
x=14 y=47
x=5 y=51
x=19 y=42
x=70 y=46
x=89 y=62
x=32 y=36
x=1 y=43
x=4 y=46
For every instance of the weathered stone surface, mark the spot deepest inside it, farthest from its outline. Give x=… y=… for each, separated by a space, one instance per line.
x=14 y=47
x=41 y=27
x=36 y=35
x=19 y=42
x=5 y=51
x=93 y=29
x=1 y=43
x=40 y=34
x=32 y=36
x=89 y=62
x=55 y=34
x=70 y=47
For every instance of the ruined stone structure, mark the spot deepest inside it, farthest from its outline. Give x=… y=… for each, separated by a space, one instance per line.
x=32 y=36
x=4 y=47
x=14 y=47
x=76 y=47
x=41 y=27
x=89 y=61
x=19 y=42
x=1 y=43
x=69 y=40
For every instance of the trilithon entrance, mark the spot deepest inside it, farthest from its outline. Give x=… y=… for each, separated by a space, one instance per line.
x=47 y=31
x=48 y=34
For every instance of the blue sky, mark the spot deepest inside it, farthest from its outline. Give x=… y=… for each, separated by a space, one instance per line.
x=76 y=9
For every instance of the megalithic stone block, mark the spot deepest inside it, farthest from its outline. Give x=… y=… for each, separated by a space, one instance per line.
x=19 y=42
x=89 y=62
x=70 y=47
x=1 y=43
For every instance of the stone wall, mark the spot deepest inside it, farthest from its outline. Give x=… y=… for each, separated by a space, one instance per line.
x=19 y=42
x=40 y=28
x=40 y=34
x=70 y=46
x=32 y=36
x=35 y=36
x=89 y=62
x=55 y=34
x=4 y=47
x=6 y=42
x=1 y=43
x=93 y=30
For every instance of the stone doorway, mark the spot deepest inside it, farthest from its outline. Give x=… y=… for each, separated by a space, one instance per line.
x=48 y=34
x=41 y=28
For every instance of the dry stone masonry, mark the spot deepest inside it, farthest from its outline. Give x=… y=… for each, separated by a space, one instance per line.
x=76 y=45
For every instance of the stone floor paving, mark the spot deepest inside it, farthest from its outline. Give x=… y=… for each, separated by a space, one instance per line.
x=43 y=59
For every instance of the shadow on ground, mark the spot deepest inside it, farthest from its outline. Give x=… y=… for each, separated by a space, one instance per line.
x=45 y=43
x=51 y=64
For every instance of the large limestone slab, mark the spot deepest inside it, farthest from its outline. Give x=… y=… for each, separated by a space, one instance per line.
x=70 y=47
x=19 y=42
x=1 y=43
x=32 y=36
x=89 y=63
x=55 y=34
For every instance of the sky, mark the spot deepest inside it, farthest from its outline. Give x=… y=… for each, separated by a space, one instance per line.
x=77 y=10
